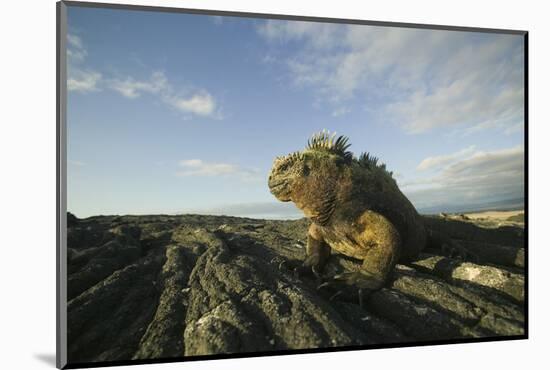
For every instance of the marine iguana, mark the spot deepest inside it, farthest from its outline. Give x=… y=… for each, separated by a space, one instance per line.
x=355 y=206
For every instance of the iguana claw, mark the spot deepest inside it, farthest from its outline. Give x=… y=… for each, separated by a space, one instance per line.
x=282 y=262
x=339 y=292
x=326 y=284
x=315 y=272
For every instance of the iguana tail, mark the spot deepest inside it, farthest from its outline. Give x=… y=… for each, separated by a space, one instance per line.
x=441 y=241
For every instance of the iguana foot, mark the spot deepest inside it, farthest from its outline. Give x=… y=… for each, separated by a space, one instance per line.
x=298 y=271
x=305 y=270
x=361 y=280
x=311 y=265
x=331 y=287
x=343 y=285
x=365 y=282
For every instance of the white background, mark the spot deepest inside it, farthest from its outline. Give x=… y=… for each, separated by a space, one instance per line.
x=27 y=145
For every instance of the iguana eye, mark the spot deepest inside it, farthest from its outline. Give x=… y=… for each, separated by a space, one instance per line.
x=284 y=166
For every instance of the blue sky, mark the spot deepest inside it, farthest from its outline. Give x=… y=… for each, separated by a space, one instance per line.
x=178 y=113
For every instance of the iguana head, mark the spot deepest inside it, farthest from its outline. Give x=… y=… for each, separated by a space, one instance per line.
x=309 y=177
x=284 y=174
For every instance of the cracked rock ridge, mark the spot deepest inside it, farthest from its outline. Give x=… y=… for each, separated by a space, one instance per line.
x=154 y=287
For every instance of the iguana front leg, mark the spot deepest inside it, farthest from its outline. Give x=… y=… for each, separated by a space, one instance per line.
x=380 y=247
x=317 y=252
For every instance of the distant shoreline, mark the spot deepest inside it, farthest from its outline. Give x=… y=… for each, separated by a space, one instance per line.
x=518 y=208
x=484 y=214
x=494 y=215
x=278 y=211
x=501 y=206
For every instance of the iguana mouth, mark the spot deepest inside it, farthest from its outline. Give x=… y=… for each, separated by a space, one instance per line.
x=279 y=189
x=274 y=184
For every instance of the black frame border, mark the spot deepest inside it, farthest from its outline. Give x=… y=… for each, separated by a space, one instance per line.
x=61 y=170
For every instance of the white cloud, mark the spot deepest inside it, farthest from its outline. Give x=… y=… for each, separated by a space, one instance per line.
x=477 y=177
x=321 y=35
x=340 y=112
x=74 y=41
x=79 y=79
x=198 y=167
x=130 y=88
x=201 y=104
x=75 y=49
x=517 y=127
x=83 y=80
x=198 y=102
x=76 y=163
x=438 y=161
x=217 y=19
x=420 y=79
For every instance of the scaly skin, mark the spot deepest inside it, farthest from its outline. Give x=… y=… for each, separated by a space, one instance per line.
x=356 y=207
